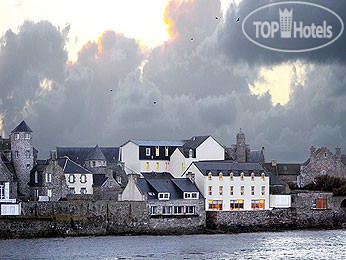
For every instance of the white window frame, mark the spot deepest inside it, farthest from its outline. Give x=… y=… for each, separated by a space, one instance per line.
x=178 y=207
x=193 y=210
x=2 y=191
x=164 y=196
x=167 y=213
x=153 y=210
x=72 y=189
x=147 y=151
x=48 y=177
x=82 y=190
x=27 y=154
x=49 y=193
x=16 y=136
x=16 y=154
x=27 y=136
x=83 y=178
x=36 y=177
x=71 y=178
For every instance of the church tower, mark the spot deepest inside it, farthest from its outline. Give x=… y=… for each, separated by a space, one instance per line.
x=241 y=147
x=22 y=152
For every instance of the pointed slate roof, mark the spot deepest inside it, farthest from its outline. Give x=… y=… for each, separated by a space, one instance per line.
x=96 y=154
x=22 y=127
x=72 y=167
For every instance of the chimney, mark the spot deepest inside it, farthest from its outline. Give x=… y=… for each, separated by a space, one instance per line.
x=190 y=153
x=312 y=150
x=53 y=155
x=274 y=163
x=338 y=153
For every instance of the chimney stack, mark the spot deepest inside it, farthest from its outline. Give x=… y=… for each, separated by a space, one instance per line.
x=338 y=153
x=312 y=150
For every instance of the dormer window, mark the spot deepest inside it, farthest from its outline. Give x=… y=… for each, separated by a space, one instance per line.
x=147 y=151
x=166 y=151
x=27 y=136
x=252 y=176
x=16 y=136
x=164 y=196
x=157 y=151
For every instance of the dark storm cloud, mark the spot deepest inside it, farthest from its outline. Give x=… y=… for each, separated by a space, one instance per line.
x=232 y=43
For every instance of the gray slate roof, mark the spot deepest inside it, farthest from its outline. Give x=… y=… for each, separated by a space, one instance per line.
x=22 y=127
x=195 y=141
x=72 y=167
x=256 y=156
x=96 y=154
x=99 y=179
x=185 y=185
x=158 y=142
x=283 y=168
x=157 y=175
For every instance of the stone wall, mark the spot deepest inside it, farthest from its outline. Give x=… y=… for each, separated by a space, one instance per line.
x=82 y=218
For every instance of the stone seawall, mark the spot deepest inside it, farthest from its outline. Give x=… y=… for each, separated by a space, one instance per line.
x=81 y=218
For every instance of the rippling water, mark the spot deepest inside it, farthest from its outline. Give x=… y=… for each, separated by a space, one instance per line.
x=281 y=245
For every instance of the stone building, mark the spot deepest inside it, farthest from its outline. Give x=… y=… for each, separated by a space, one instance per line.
x=287 y=172
x=322 y=162
x=242 y=153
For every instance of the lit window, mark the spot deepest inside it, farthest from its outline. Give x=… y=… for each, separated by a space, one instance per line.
x=262 y=176
x=166 y=164
x=242 y=176
x=83 y=191
x=48 y=177
x=36 y=177
x=71 y=191
x=157 y=166
x=166 y=151
x=253 y=190
x=209 y=176
x=49 y=193
x=231 y=190
x=263 y=190
x=257 y=204
x=183 y=166
x=215 y=204
x=252 y=176
x=231 y=176
x=220 y=190
x=147 y=166
x=27 y=154
x=147 y=151
x=220 y=176
x=236 y=204
x=210 y=192
x=26 y=136
x=321 y=204
x=166 y=210
x=241 y=190
x=83 y=178
x=16 y=136
x=157 y=151
x=71 y=178
x=178 y=210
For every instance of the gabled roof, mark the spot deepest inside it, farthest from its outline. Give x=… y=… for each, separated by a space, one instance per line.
x=226 y=167
x=157 y=142
x=185 y=185
x=283 y=168
x=72 y=167
x=80 y=154
x=195 y=141
x=99 y=179
x=22 y=127
x=165 y=185
x=96 y=154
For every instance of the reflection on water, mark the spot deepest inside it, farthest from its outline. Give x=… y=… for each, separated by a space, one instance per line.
x=282 y=245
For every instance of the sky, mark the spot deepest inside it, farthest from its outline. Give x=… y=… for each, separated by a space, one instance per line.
x=82 y=73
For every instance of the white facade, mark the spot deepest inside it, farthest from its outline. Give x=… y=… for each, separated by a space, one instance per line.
x=280 y=201
x=10 y=209
x=236 y=193
x=131 y=191
x=79 y=183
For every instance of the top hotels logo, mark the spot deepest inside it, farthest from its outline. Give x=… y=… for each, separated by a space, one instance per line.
x=292 y=26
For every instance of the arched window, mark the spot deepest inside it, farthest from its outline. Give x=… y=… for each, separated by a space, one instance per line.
x=252 y=176
x=231 y=176
x=83 y=178
x=262 y=176
x=209 y=176
x=220 y=176
x=242 y=176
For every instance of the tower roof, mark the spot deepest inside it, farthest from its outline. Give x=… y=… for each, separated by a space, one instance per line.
x=97 y=154
x=22 y=127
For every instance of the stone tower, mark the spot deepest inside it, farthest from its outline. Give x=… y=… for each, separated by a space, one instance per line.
x=22 y=155
x=241 y=147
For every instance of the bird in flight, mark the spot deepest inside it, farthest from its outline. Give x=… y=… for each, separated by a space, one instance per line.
x=111 y=90
x=237 y=19
x=216 y=17
x=191 y=39
x=154 y=102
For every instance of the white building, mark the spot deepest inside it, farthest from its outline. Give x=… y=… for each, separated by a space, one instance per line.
x=169 y=156
x=228 y=185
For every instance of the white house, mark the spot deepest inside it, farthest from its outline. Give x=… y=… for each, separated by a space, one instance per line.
x=227 y=185
x=169 y=156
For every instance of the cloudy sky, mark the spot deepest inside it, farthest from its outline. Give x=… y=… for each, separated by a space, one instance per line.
x=102 y=72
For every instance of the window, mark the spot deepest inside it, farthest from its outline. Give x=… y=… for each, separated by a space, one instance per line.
x=241 y=190
x=166 y=151
x=263 y=190
x=147 y=151
x=257 y=204
x=253 y=190
x=220 y=190
x=231 y=190
x=231 y=176
x=49 y=193
x=252 y=176
x=71 y=191
x=153 y=210
x=321 y=204
x=215 y=204
x=28 y=166
x=209 y=176
x=210 y=192
x=262 y=176
x=178 y=210
x=187 y=195
x=190 y=209
x=236 y=204
x=26 y=136
x=157 y=166
x=2 y=191
x=27 y=154
x=166 y=210
x=16 y=136
x=83 y=191
x=16 y=154
x=36 y=177
x=194 y=195
x=183 y=166
x=242 y=176
x=220 y=176
x=71 y=178
x=157 y=151
x=191 y=195
x=325 y=155
x=94 y=163
x=37 y=193
x=166 y=164
x=323 y=172
x=83 y=178
x=163 y=196
x=48 y=177
x=147 y=166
